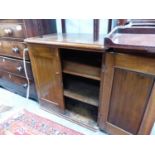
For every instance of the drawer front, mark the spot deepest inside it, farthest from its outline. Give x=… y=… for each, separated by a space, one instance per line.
x=13 y=49
x=17 y=84
x=15 y=66
x=12 y=30
x=11 y=20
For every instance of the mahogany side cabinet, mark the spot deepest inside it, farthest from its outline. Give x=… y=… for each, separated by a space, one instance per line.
x=113 y=89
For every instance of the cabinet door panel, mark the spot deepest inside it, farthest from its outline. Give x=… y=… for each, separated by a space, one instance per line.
x=47 y=73
x=129 y=99
x=127 y=94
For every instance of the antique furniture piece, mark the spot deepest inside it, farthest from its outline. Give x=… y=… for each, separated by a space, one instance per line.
x=114 y=83
x=12 y=35
x=142 y=22
x=67 y=70
x=128 y=101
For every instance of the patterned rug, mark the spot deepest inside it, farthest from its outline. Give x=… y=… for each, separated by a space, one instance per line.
x=27 y=123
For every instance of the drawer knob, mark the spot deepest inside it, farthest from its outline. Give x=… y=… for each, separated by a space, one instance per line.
x=8 y=31
x=19 y=68
x=25 y=85
x=57 y=73
x=15 y=49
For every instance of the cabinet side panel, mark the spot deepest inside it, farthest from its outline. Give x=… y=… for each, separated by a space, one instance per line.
x=149 y=116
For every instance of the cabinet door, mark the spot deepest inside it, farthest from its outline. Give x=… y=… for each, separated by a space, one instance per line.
x=47 y=74
x=128 y=94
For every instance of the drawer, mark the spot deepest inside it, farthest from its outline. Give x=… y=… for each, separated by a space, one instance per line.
x=12 y=30
x=17 y=84
x=15 y=66
x=12 y=49
x=11 y=20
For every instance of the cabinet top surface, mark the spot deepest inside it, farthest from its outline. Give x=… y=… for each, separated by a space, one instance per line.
x=69 y=40
x=137 y=38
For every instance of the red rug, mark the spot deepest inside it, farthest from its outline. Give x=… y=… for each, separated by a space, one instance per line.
x=27 y=123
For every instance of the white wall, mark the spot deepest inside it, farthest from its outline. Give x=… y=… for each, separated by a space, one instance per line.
x=82 y=26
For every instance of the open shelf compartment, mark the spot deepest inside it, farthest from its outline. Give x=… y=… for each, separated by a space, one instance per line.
x=81 y=89
x=82 y=63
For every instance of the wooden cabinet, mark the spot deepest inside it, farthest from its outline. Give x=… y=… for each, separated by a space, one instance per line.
x=12 y=35
x=67 y=74
x=47 y=72
x=112 y=89
x=128 y=101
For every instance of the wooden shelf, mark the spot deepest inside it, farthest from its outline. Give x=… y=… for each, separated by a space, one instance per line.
x=80 y=97
x=82 y=70
x=82 y=91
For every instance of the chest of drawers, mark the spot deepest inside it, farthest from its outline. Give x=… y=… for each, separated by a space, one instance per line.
x=12 y=35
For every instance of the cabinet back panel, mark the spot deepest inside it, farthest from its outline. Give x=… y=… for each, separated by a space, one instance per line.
x=87 y=90
x=83 y=57
x=129 y=97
